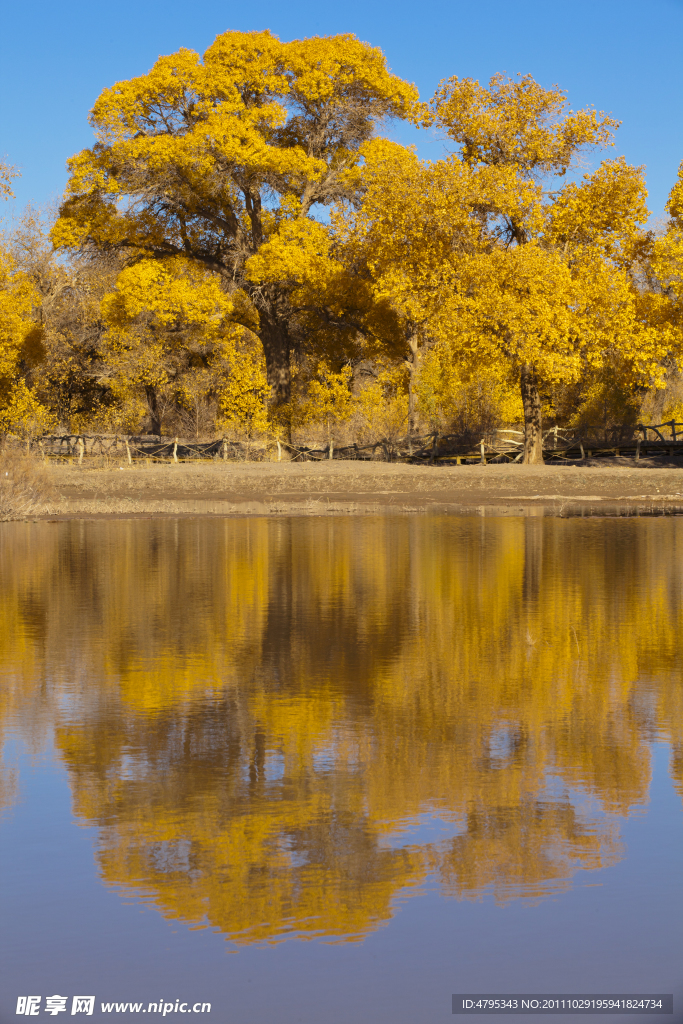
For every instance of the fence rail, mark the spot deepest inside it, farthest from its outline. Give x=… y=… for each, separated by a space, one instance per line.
x=505 y=445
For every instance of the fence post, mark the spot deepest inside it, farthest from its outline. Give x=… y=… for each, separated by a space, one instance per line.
x=583 y=454
x=224 y=450
x=175 y=450
x=330 y=453
x=673 y=431
x=130 y=461
x=638 y=450
x=482 y=452
x=81 y=450
x=435 y=441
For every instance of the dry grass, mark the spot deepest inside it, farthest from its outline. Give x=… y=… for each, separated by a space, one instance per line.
x=387 y=483
x=25 y=485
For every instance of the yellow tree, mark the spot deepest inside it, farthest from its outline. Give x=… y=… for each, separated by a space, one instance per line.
x=411 y=241
x=392 y=303
x=551 y=289
x=621 y=339
x=171 y=340
x=223 y=160
x=18 y=404
x=667 y=265
x=17 y=299
x=60 y=355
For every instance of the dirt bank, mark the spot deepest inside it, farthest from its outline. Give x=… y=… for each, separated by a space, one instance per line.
x=322 y=488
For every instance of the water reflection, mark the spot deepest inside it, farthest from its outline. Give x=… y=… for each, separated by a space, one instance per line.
x=281 y=726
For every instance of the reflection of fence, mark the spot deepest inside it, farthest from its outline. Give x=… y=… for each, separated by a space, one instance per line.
x=435 y=448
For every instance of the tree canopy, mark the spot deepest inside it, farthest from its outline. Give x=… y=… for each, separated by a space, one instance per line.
x=241 y=249
x=224 y=160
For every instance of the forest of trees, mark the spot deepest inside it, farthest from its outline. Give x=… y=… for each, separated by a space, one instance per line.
x=242 y=251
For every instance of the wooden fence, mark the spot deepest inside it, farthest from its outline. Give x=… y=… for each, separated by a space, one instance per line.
x=505 y=445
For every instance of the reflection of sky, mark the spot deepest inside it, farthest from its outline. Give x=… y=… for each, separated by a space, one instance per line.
x=618 y=929
x=132 y=767
x=419 y=831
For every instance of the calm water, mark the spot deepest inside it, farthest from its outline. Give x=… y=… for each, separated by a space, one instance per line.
x=335 y=770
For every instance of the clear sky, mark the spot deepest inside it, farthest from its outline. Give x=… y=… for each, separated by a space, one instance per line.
x=621 y=56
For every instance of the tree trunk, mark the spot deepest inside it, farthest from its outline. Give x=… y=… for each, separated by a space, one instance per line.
x=531 y=400
x=277 y=348
x=154 y=412
x=412 y=364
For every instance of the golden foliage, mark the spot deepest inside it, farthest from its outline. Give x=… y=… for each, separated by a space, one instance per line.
x=667 y=264
x=20 y=410
x=328 y=397
x=171 y=338
x=517 y=124
x=476 y=253
x=242 y=386
x=475 y=402
x=24 y=415
x=17 y=299
x=6 y=175
x=168 y=293
x=382 y=403
x=220 y=160
x=200 y=199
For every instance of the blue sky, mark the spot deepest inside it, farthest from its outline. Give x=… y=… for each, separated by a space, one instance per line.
x=618 y=55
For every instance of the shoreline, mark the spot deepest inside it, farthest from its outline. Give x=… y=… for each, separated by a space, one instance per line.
x=357 y=488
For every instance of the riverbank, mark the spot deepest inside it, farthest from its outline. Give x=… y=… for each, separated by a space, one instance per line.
x=163 y=489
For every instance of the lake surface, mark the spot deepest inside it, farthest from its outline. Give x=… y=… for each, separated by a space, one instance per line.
x=337 y=769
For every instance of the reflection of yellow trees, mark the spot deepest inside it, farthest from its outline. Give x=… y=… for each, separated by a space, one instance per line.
x=287 y=862
x=501 y=841
x=254 y=710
